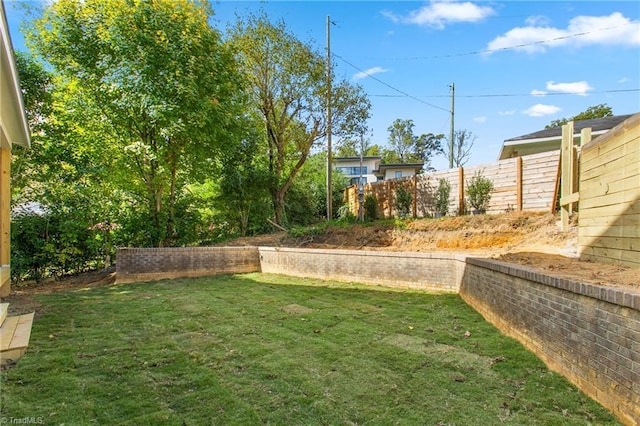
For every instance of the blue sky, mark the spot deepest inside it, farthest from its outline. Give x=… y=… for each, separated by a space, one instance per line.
x=516 y=65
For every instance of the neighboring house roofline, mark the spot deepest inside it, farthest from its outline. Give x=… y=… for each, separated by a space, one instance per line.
x=357 y=158
x=546 y=138
x=402 y=166
x=512 y=142
x=13 y=119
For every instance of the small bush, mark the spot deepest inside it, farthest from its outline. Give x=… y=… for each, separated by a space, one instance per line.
x=345 y=215
x=370 y=207
x=479 y=192
x=441 y=199
x=403 y=202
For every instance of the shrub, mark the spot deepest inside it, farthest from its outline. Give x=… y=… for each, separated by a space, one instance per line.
x=479 y=192
x=345 y=215
x=441 y=199
x=370 y=207
x=403 y=202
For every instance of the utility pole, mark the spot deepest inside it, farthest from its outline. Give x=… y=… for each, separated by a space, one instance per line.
x=453 y=91
x=361 y=184
x=329 y=159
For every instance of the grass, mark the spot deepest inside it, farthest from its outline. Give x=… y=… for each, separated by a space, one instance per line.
x=265 y=349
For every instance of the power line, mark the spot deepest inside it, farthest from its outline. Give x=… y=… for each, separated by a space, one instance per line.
x=405 y=94
x=518 y=46
x=509 y=95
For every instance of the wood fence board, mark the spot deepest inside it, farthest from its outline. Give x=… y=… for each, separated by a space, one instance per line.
x=629 y=163
x=606 y=221
x=611 y=243
x=620 y=183
x=622 y=231
x=605 y=255
x=595 y=158
x=611 y=199
x=630 y=208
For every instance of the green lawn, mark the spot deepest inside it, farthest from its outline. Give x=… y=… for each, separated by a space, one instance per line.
x=265 y=349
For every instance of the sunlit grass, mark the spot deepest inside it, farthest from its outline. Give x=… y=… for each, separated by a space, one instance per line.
x=255 y=349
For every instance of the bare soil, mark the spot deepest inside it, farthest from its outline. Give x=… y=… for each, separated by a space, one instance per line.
x=530 y=239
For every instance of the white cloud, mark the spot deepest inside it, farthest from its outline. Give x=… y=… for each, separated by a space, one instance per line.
x=540 y=110
x=624 y=80
x=535 y=92
x=577 y=88
x=537 y=20
x=615 y=29
x=439 y=13
x=510 y=112
x=369 y=72
x=480 y=119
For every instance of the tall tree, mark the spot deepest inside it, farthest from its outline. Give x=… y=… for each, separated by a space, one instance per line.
x=161 y=79
x=595 y=111
x=289 y=91
x=407 y=147
x=462 y=143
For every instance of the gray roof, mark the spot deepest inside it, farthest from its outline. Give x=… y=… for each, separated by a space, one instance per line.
x=596 y=124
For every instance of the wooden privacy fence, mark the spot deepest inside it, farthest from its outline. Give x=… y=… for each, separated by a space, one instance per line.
x=609 y=196
x=521 y=183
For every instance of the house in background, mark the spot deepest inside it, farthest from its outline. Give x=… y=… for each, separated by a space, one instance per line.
x=13 y=131
x=372 y=169
x=551 y=139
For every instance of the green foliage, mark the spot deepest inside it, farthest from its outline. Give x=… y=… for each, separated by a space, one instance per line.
x=403 y=202
x=479 y=192
x=370 y=207
x=345 y=215
x=409 y=148
x=595 y=111
x=287 y=80
x=161 y=85
x=54 y=244
x=441 y=197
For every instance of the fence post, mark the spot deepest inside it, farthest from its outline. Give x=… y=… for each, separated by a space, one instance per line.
x=389 y=204
x=460 y=191
x=566 y=162
x=415 y=196
x=519 y=183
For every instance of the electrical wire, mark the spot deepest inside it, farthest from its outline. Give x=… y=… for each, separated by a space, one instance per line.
x=508 y=95
x=405 y=94
x=518 y=46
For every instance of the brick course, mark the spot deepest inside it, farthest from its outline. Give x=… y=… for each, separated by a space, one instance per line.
x=148 y=264
x=585 y=332
x=588 y=333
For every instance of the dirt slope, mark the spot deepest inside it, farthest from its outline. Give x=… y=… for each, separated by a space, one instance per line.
x=531 y=239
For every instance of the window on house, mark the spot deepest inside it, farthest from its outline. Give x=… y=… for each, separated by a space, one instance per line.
x=398 y=174
x=352 y=171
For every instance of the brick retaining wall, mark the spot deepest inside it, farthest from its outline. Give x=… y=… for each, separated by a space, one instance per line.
x=147 y=264
x=425 y=271
x=588 y=333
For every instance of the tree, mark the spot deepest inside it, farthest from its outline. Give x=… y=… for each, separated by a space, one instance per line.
x=596 y=111
x=407 y=147
x=462 y=143
x=61 y=185
x=352 y=147
x=159 y=76
x=288 y=86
